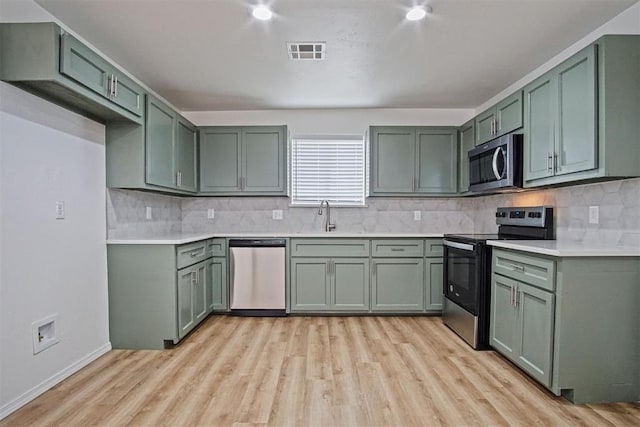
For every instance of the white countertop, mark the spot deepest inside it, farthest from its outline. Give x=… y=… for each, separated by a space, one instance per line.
x=182 y=238
x=567 y=248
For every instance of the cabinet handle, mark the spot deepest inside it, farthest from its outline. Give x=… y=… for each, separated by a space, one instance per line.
x=397 y=249
x=555 y=162
x=115 y=86
x=549 y=162
x=493 y=126
x=193 y=277
x=180 y=178
x=517 y=267
x=516 y=298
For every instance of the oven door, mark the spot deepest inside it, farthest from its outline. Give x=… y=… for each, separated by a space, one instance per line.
x=461 y=267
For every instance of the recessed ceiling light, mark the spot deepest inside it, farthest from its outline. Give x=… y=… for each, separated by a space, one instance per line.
x=418 y=12
x=262 y=13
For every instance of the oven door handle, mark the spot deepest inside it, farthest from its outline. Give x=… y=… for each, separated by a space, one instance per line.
x=461 y=246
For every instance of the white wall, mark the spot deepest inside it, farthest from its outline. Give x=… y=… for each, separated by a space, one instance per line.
x=332 y=121
x=49 y=266
x=627 y=22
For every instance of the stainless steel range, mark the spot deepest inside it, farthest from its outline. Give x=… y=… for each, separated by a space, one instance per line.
x=467 y=269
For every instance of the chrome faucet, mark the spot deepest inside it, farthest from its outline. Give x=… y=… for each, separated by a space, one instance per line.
x=327 y=222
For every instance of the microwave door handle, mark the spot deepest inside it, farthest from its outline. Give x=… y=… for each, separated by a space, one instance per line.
x=461 y=246
x=494 y=163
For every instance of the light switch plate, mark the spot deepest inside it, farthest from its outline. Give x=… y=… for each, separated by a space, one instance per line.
x=148 y=213
x=417 y=215
x=276 y=214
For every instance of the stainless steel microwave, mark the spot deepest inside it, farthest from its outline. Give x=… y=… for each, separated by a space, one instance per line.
x=496 y=165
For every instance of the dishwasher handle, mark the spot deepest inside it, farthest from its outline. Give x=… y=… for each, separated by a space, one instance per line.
x=257 y=243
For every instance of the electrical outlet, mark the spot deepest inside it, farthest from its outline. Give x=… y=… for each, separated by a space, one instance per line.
x=60 y=209
x=148 y=214
x=417 y=215
x=276 y=214
x=211 y=213
x=594 y=214
x=45 y=333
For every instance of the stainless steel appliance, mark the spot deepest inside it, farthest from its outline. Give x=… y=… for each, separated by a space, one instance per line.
x=467 y=270
x=257 y=268
x=496 y=165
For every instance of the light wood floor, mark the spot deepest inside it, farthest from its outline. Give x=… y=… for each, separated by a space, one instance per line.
x=311 y=371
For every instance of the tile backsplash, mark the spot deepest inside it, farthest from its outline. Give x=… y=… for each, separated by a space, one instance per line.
x=618 y=202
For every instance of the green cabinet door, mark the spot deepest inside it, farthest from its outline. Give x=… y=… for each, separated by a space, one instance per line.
x=200 y=308
x=217 y=284
x=509 y=114
x=397 y=284
x=310 y=285
x=539 y=135
x=434 y=268
x=502 y=118
x=576 y=142
x=186 y=287
x=535 y=310
x=264 y=159
x=127 y=93
x=466 y=135
x=503 y=328
x=84 y=65
x=349 y=284
x=393 y=159
x=484 y=124
x=220 y=164
x=159 y=144
x=186 y=156
x=437 y=160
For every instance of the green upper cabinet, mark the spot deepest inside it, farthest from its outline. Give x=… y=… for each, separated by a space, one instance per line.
x=502 y=118
x=43 y=58
x=186 y=153
x=437 y=167
x=413 y=161
x=161 y=155
x=466 y=136
x=581 y=118
x=170 y=148
x=243 y=160
x=161 y=128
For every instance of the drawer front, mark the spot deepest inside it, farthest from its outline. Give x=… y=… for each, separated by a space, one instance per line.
x=216 y=247
x=433 y=248
x=536 y=271
x=191 y=253
x=397 y=248
x=329 y=247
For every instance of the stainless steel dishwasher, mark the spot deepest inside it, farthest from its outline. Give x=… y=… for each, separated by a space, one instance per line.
x=257 y=269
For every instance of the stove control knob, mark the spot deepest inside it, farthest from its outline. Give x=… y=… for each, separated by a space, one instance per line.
x=501 y=214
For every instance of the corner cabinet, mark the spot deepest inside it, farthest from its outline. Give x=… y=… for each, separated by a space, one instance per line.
x=160 y=155
x=159 y=293
x=243 y=160
x=571 y=323
x=410 y=161
x=502 y=118
x=46 y=60
x=581 y=118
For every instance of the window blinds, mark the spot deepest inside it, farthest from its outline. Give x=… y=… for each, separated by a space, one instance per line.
x=328 y=169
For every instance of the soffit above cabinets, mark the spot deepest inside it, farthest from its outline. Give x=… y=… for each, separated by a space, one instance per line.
x=213 y=55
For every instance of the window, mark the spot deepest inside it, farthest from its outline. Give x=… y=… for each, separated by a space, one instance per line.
x=331 y=168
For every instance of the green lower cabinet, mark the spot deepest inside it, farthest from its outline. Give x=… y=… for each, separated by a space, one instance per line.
x=192 y=305
x=217 y=285
x=397 y=284
x=434 y=270
x=327 y=284
x=522 y=325
x=535 y=309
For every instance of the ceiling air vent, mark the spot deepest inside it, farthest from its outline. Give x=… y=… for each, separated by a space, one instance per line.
x=307 y=51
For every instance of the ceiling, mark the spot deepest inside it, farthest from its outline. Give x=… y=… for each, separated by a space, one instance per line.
x=212 y=55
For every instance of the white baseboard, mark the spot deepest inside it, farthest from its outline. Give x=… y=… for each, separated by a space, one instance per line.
x=36 y=391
